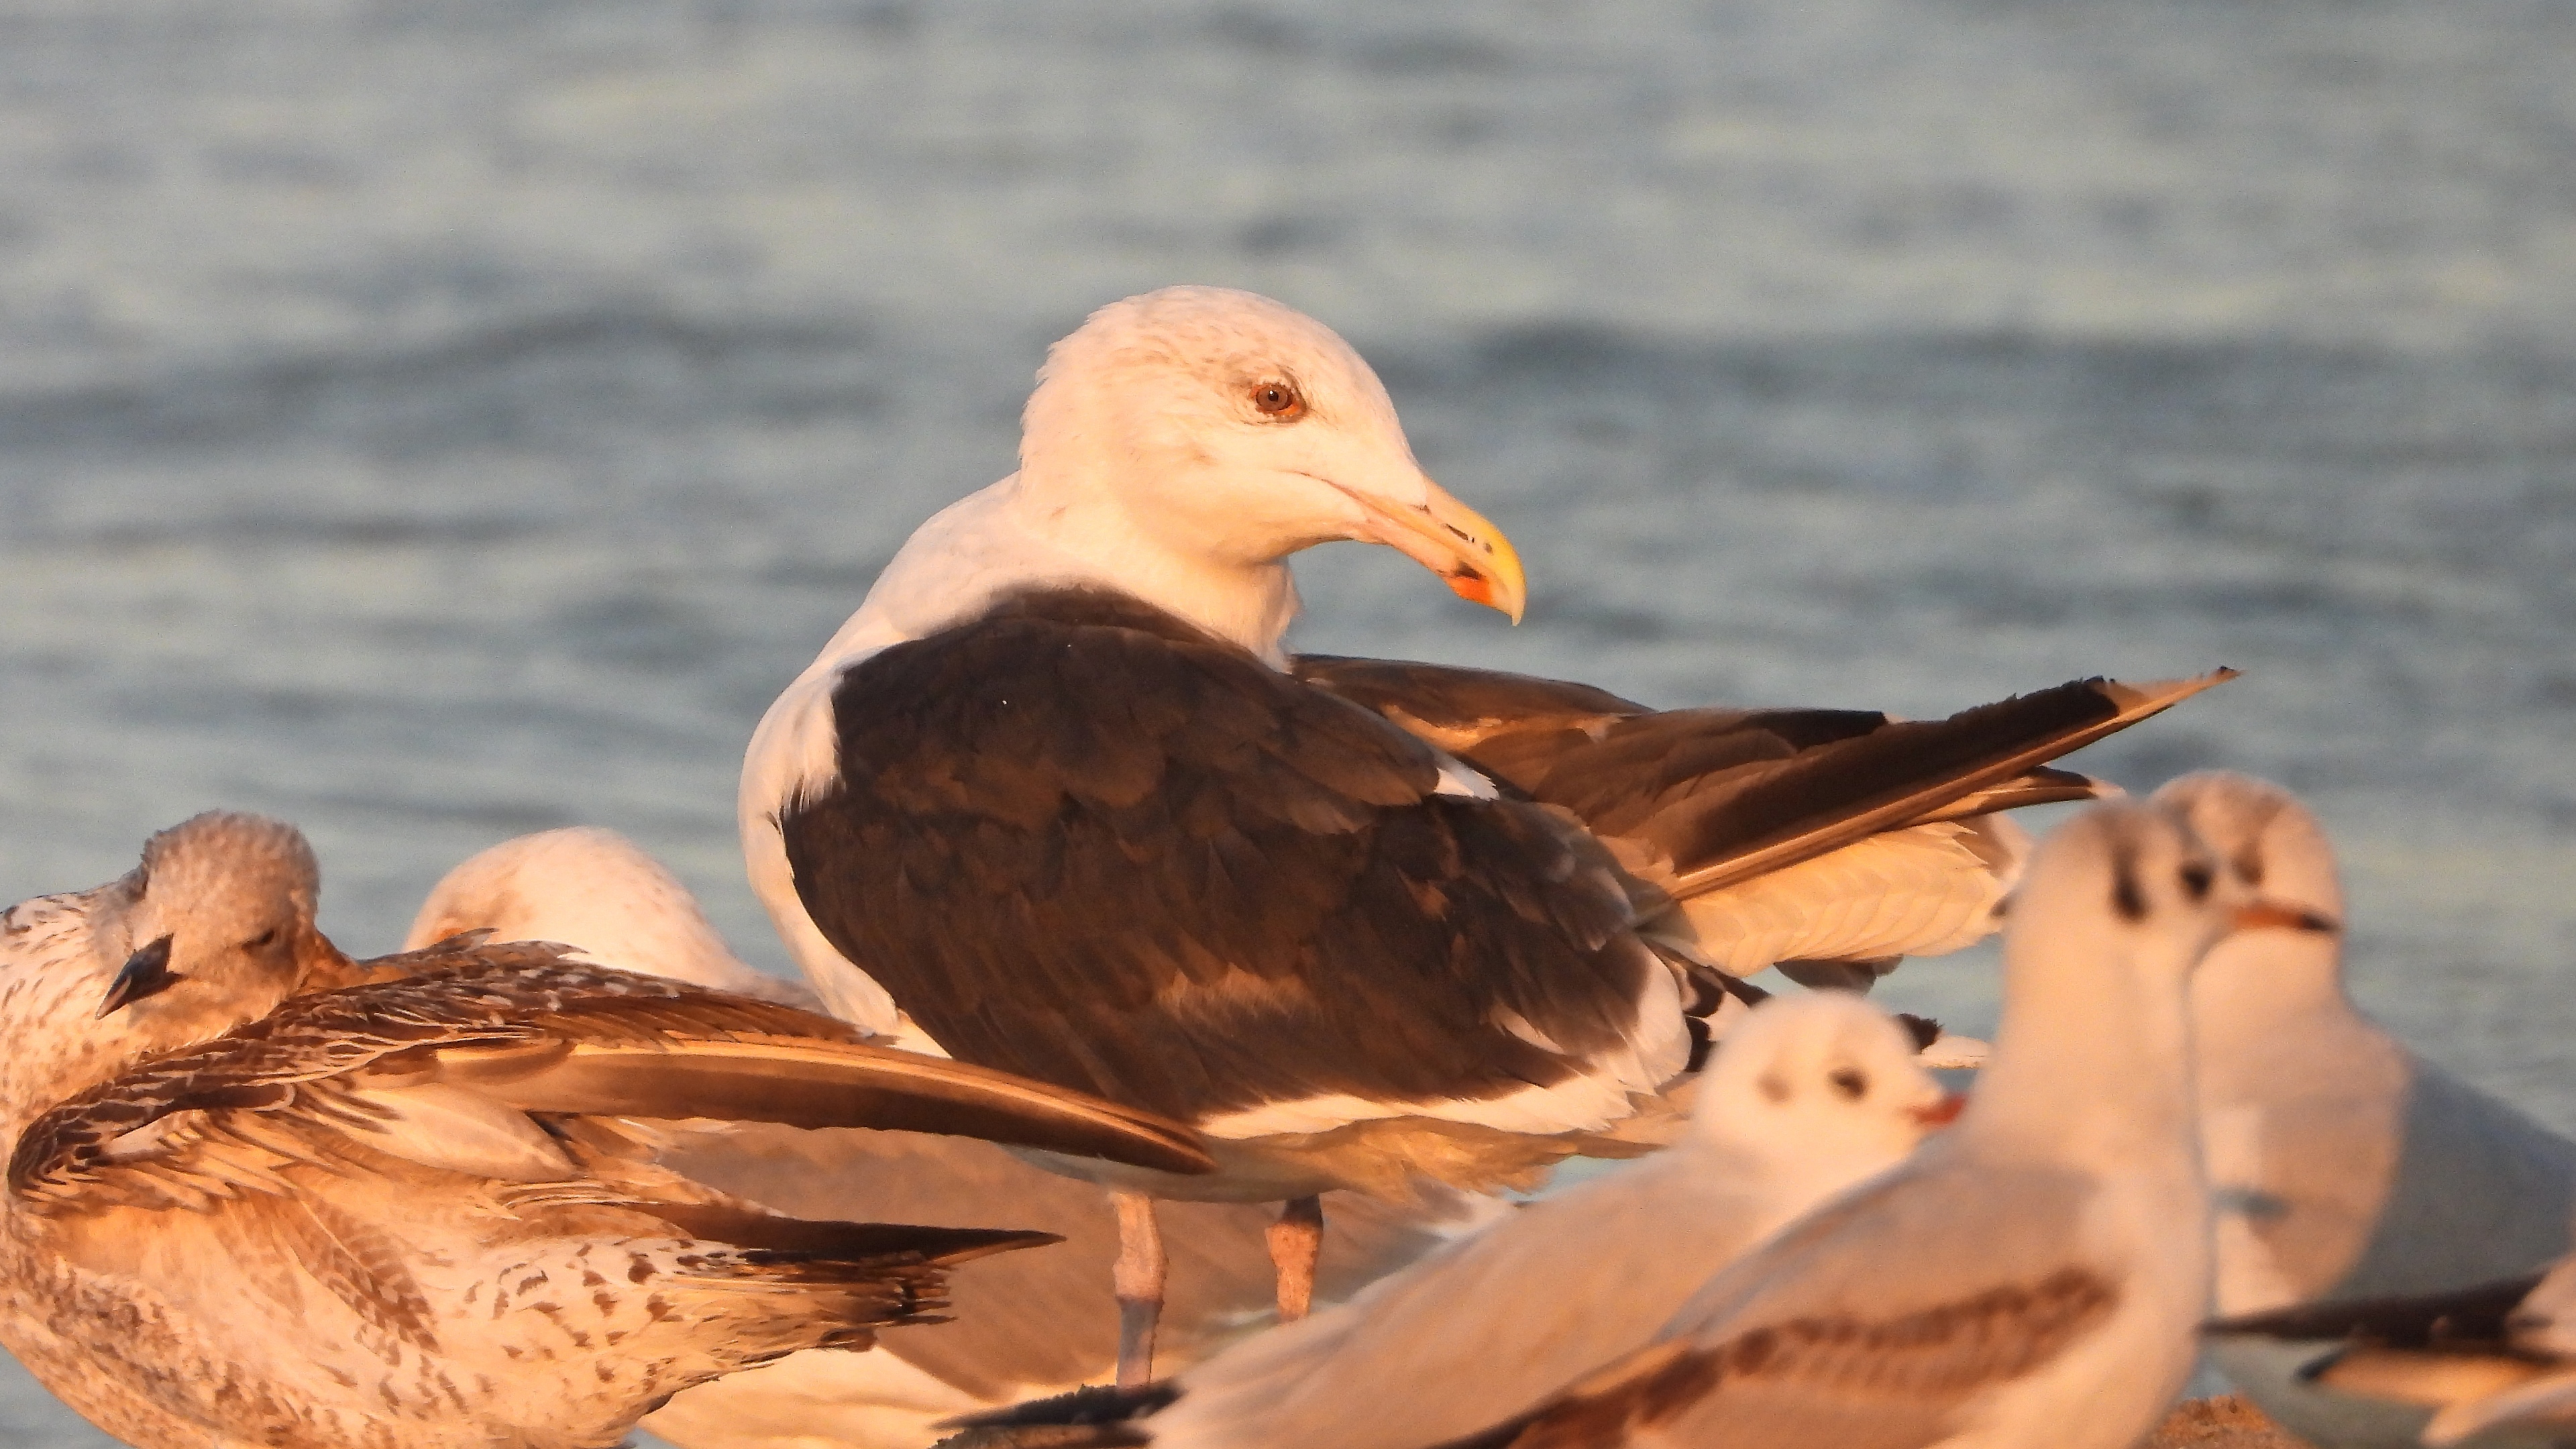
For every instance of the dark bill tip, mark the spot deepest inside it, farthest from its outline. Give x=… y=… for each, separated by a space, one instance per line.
x=145 y=973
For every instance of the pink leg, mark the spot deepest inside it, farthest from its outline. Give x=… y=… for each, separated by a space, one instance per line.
x=1295 y=1242
x=1138 y=1279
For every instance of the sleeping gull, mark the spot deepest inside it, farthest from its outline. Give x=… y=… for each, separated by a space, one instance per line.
x=1808 y=1096
x=592 y=889
x=404 y=1214
x=2028 y=1278
x=1057 y=792
x=1020 y=1329
x=2345 y=1167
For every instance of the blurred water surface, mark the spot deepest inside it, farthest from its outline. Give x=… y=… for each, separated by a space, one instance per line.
x=440 y=420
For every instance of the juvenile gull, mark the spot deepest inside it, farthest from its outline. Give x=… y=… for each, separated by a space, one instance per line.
x=2030 y=1277
x=1057 y=792
x=2345 y=1166
x=1021 y=1330
x=404 y=1214
x=1808 y=1096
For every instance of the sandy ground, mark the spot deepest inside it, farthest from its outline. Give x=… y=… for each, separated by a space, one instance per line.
x=2222 y=1423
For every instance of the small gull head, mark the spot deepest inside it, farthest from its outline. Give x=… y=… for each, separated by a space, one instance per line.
x=1826 y=1075
x=594 y=890
x=2132 y=881
x=2264 y=833
x=215 y=926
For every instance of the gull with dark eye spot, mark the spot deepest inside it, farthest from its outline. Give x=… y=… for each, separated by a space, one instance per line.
x=2347 y=1168
x=1057 y=799
x=2030 y=1279
x=1809 y=1095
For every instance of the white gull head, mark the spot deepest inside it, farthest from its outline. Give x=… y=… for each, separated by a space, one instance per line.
x=2257 y=995
x=1179 y=447
x=2119 y=907
x=1824 y=1084
x=592 y=889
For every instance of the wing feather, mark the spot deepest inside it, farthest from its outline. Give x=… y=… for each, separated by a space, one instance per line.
x=538 y=1032
x=1081 y=840
x=1712 y=797
x=1897 y=1381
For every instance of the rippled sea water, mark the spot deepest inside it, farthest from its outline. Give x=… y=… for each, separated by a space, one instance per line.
x=441 y=420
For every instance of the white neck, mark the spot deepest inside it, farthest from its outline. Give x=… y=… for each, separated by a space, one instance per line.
x=2092 y=1065
x=2270 y=1006
x=1018 y=534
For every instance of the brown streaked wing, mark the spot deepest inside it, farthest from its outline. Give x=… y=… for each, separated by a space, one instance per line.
x=803 y=1083
x=547 y=1034
x=2046 y=785
x=744 y=1227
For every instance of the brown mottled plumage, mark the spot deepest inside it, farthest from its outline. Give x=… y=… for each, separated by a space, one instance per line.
x=405 y=1213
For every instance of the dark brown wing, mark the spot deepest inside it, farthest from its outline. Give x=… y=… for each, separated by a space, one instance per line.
x=1082 y=840
x=541 y=1033
x=1724 y=795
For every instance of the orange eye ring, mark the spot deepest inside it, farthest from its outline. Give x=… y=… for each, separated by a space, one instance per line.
x=1277 y=400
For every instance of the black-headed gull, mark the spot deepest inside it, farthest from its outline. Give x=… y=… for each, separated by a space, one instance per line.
x=2030 y=1278
x=1809 y=1095
x=2345 y=1167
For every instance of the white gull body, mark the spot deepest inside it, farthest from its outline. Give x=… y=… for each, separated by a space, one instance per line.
x=2345 y=1166
x=1806 y=1096
x=2030 y=1277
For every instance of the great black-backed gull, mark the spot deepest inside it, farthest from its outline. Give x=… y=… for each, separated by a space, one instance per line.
x=1056 y=799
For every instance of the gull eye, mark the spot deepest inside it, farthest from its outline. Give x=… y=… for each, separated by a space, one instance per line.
x=1278 y=401
x=1849 y=1083
x=2196 y=878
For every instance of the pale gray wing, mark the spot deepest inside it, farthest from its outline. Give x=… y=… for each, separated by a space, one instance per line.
x=1870 y=1325
x=2481 y=1192
x=1490 y=1326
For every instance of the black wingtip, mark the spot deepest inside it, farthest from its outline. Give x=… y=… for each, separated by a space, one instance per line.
x=1093 y=1405
x=2475 y=1315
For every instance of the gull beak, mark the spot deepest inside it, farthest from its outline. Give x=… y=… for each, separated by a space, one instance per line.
x=145 y=973
x=1942 y=1113
x=2262 y=914
x=1455 y=542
